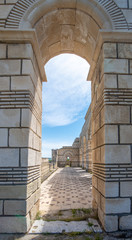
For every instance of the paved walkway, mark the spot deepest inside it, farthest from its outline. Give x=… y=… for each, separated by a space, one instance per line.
x=67 y=188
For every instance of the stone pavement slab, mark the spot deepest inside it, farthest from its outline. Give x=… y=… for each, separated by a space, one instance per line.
x=67 y=188
x=53 y=227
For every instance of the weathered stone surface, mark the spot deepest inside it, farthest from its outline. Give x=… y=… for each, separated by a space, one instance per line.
x=4 y=83
x=124 y=50
x=126 y=189
x=111 y=134
x=111 y=223
x=20 y=51
x=125 y=222
x=4 y=137
x=13 y=207
x=116 y=154
x=118 y=205
x=125 y=81
x=115 y=66
x=19 y=137
x=110 y=81
x=126 y=134
x=109 y=50
x=18 y=224
x=111 y=189
x=4 y=11
x=8 y=67
x=2 y=50
x=117 y=114
x=9 y=157
x=28 y=157
x=22 y=83
x=1 y=207
x=9 y=117
x=11 y=192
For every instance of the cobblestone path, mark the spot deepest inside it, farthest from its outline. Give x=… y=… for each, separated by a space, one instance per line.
x=67 y=188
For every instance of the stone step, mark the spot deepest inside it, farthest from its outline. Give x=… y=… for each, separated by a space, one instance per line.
x=53 y=227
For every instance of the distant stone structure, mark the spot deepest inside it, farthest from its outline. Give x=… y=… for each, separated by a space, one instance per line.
x=79 y=154
x=68 y=155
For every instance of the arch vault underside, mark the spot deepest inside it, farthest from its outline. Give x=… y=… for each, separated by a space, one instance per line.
x=31 y=33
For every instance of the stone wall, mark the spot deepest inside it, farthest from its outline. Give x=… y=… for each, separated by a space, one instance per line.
x=85 y=152
x=46 y=168
x=20 y=142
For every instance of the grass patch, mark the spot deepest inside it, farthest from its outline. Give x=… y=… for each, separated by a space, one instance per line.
x=90 y=224
x=74 y=212
x=38 y=216
x=98 y=237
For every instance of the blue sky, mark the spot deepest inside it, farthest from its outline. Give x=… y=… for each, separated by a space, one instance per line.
x=66 y=97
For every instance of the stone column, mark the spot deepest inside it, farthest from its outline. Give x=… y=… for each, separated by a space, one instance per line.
x=20 y=134
x=112 y=132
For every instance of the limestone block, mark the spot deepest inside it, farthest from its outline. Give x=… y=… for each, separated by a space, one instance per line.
x=4 y=11
x=18 y=224
x=101 y=186
x=13 y=192
x=100 y=136
x=125 y=81
x=22 y=83
x=117 y=114
x=28 y=69
x=2 y=50
x=113 y=154
x=94 y=181
x=110 y=81
x=38 y=158
x=115 y=66
x=111 y=189
x=1 y=207
x=9 y=157
x=130 y=66
x=126 y=134
x=130 y=4
x=97 y=155
x=128 y=14
x=67 y=16
x=111 y=223
x=55 y=48
x=30 y=202
x=111 y=134
x=121 y=4
x=13 y=207
x=28 y=119
x=126 y=189
x=10 y=67
x=9 y=117
x=109 y=50
x=117 y=205
x=67 y=34
x=4 y=83
x=124 y=50
x=11 y=1
x=19 y=137
x=3 y=137
x=28 y=157
x=20 y=51
x=125 y=222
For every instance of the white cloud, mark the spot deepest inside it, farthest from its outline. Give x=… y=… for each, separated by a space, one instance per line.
x=47 y=146
x=67 y=92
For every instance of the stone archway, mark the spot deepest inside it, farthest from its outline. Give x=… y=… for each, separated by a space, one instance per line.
x=93 y=30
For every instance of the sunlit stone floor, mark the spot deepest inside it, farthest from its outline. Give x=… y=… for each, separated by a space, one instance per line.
x=67 y=188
